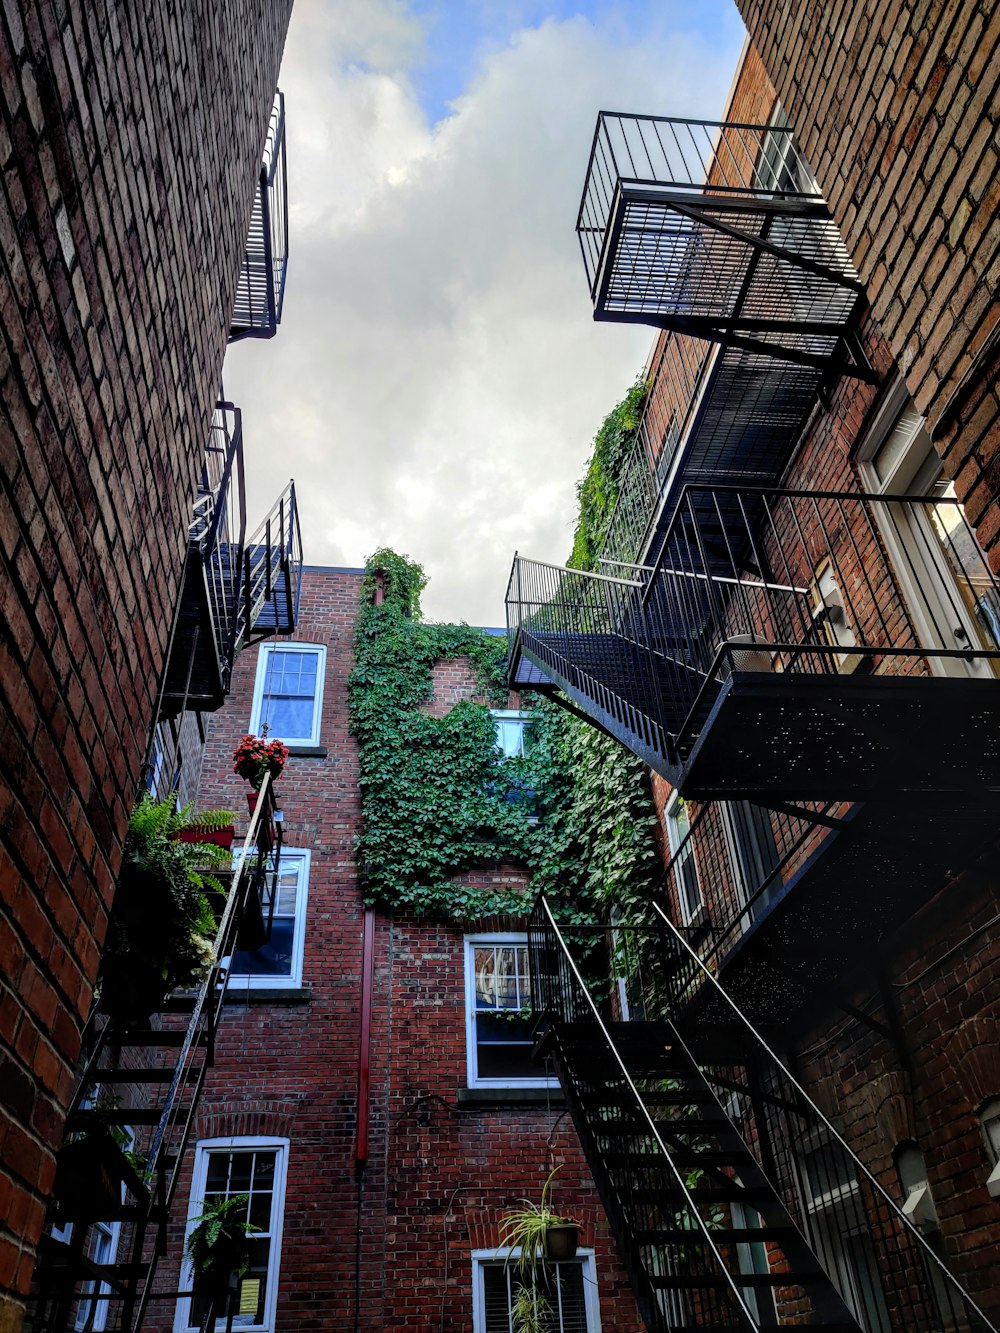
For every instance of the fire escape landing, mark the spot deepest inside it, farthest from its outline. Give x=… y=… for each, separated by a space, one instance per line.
x=236 y=590
x=718 y=230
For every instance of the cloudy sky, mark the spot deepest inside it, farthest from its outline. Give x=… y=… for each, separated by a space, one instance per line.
x=437 y=379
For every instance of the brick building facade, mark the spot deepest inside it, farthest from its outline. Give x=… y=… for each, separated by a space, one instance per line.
x=387 y=1242
x=130 y=143
x=848 y=909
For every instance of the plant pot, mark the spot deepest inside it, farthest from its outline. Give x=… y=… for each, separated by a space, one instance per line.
x=267 y=833
x=88 y=1184
x=222 y=837
x=561 y=1242
x=131 y=991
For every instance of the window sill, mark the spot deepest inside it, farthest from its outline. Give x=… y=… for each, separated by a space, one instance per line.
x=307 y=752
x=511 y=1097
x=268 y=994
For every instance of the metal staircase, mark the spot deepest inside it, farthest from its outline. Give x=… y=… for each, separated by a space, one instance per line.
x=734 y=1201
x=134 y=1113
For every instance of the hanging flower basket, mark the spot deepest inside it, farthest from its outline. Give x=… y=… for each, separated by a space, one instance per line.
x=254 y=758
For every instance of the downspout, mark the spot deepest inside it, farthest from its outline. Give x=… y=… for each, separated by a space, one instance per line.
x=364 y=1052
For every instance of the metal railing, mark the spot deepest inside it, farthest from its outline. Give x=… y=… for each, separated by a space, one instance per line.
x=733 y=861
x=782 y=582
x=663 y=1155
x=162 y=1070
x=272 y=573
x=218 y=528
x=718 y=230
x=261 y=288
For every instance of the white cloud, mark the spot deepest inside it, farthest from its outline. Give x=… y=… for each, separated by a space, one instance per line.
x=437 y=379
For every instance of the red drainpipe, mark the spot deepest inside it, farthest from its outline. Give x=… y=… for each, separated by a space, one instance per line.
x=367 y=975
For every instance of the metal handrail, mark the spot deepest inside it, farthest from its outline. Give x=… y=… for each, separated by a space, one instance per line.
x=773 y=1114
x=706 y=1234
x=829 y=1127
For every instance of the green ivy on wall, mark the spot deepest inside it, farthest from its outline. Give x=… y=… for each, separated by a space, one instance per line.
x=438 y=798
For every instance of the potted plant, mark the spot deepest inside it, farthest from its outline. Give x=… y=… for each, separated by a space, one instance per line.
x=162 y=925
x=541 y=1234
x=530 y=1310
x=219 y=1246
x=255 y=757
x=95 y=1166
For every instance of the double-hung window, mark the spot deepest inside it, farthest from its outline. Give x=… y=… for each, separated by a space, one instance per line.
x=567 y=1303
x=253 y=1169
x=288 y=695
x=677 y=823
x=498 y=1018
x=278 y=962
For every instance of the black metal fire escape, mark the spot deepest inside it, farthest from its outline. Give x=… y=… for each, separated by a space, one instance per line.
x=261 y=290
x=134 y=1113
x=236 y=589
x=726 y=666
x=718 y=1174
x=718 y=230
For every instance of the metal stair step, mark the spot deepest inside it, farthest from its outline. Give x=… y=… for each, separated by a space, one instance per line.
x=673 y=1281
x=739 y=1328
x=147 y=1075
x=721 y=1235
x=163 y=1037
x=683 y=1097
x=128 y=1115
x=716 y=1192
x=679 y=1156
x=608 y=1129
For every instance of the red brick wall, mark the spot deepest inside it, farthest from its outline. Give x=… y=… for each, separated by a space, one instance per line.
x=129 y=143
x=941 y=978
x=897 y=109
x=292 y=1068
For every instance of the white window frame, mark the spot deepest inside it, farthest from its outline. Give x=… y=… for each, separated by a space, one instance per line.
x=928 y=589
x=264 y=656
x=255 y=981
x=674 y=841
x=518 y=715
x=483 y=1258
x=471 y=1048
x=236 y=1143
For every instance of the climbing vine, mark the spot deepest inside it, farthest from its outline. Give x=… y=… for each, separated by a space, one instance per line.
x=439 y=799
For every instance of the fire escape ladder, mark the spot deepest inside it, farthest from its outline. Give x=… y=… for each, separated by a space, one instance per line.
x=718 y=1174
x=134 y=1114
x=272 y=573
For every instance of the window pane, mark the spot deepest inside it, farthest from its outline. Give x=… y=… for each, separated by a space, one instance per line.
x=287 y=717
x=561 y=1305
x=273 y=959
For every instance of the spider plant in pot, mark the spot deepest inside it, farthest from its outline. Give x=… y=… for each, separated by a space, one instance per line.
x=540 y=1234
x=219 y=1246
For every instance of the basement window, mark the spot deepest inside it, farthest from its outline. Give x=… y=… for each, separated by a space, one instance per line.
x=499 y=1037
x=571 y=1295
